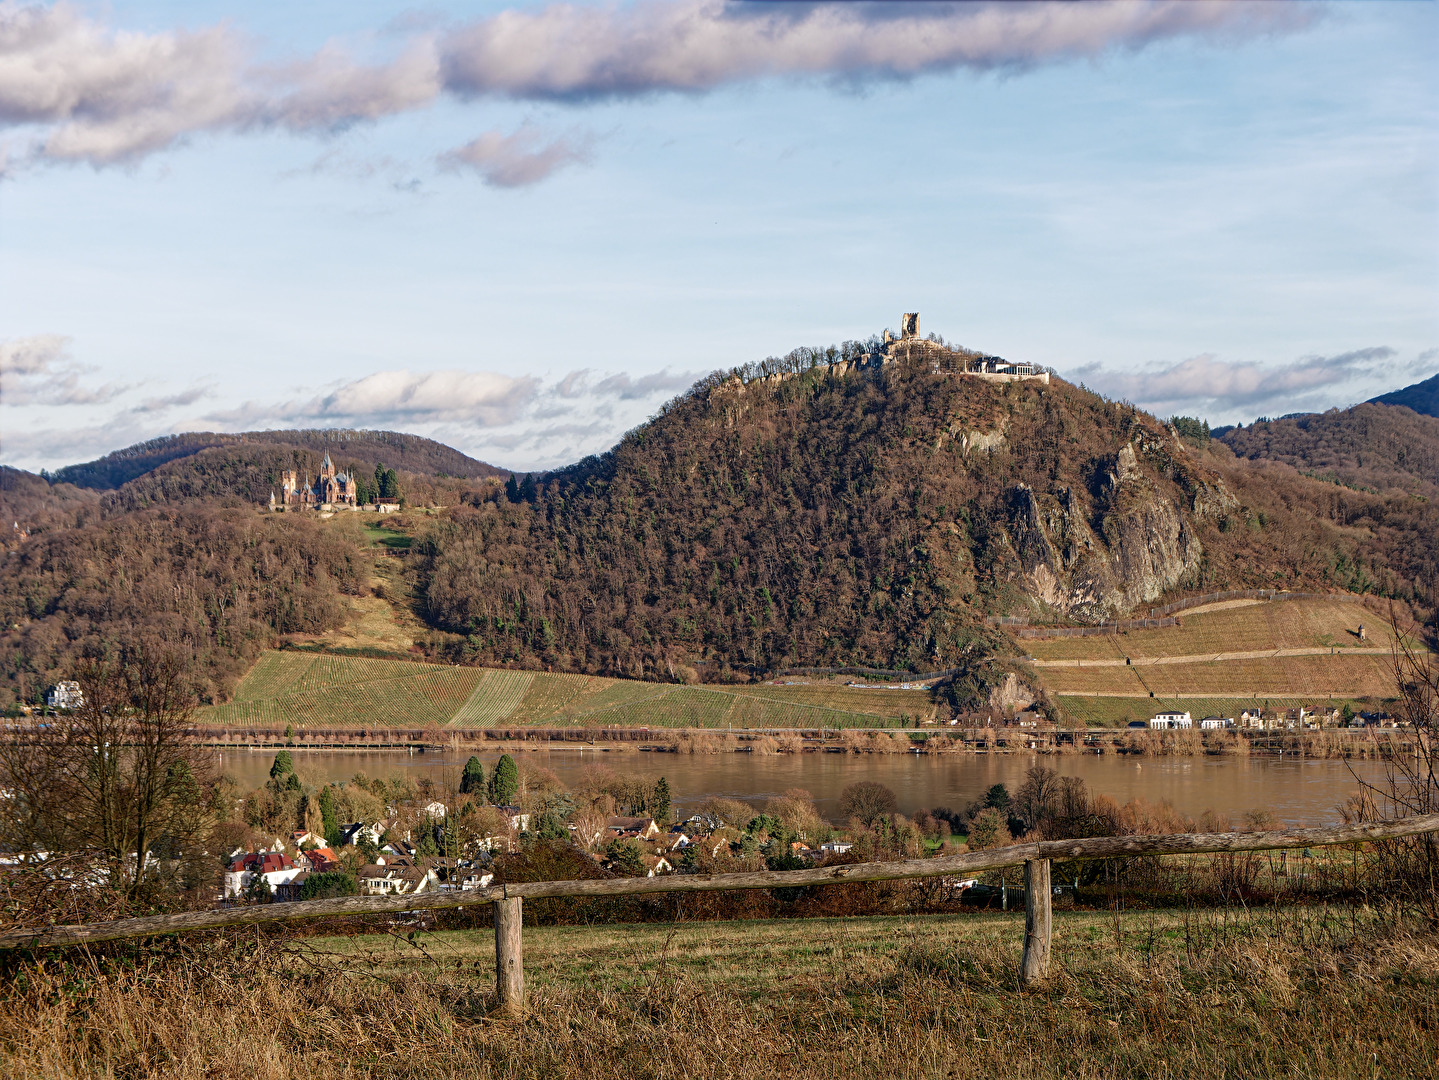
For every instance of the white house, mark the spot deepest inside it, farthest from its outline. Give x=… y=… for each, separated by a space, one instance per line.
x=434 y=810
x=351 y=833
x=1210 y=723
x=1171 y=720
x=835 y=847
x=397 y=877
x=65 y=695
x=518 y=819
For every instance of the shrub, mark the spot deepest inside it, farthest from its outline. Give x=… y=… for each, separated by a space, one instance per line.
x=867 y=800
x=328 y=884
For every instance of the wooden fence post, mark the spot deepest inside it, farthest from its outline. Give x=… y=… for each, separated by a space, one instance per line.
x=1038 y=922
x=509 y=956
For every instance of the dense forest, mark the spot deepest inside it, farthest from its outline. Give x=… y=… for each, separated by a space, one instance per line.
x=222 y=584
x=30 y=504
x=1379 y=447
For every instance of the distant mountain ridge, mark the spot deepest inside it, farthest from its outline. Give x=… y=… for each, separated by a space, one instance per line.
x=411 y=453
x=1422 y=397
x=1371 y=445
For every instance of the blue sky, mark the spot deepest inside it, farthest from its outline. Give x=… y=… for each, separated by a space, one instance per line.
x=520 y=229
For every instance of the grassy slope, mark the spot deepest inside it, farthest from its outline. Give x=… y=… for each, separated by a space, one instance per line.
x=1181 y=994
x=318 y=690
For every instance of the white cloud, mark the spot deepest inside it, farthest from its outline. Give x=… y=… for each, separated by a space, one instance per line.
x=1207 y=385
x=646 y=386
x=38 y=370
x=516 y=160
x=172 y=401
x=570 y=51
x=522 y=422
x=95 y=94
x=481 y=399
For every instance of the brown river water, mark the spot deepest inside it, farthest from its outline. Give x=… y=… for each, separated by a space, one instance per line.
x=1296 y=791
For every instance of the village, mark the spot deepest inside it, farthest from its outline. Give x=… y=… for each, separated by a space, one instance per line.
x=382 y=858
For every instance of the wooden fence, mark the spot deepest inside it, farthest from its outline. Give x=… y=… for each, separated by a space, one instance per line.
x=509 y=899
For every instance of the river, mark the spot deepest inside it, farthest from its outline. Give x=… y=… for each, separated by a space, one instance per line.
x=1296 y=791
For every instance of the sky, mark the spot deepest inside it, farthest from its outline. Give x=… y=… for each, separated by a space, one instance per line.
x=520 y=228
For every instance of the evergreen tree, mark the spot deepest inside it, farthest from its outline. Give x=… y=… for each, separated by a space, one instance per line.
x=660 y=801
x=504 y=781
x=329 y=822
x=552 y=827
x=283 y=764
x=472 y=781
x=997 y=798
x=623 y=857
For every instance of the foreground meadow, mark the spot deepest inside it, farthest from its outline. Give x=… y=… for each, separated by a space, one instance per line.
x=1289 y=992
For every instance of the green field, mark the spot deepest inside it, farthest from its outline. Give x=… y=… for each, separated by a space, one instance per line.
x=310 y=690
x=1117 y=711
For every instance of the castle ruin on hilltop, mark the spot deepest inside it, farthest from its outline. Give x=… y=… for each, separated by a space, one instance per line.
x=909 y=347
x=947 y=360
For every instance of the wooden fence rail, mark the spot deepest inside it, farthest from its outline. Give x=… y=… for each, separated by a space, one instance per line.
x=1034 y=856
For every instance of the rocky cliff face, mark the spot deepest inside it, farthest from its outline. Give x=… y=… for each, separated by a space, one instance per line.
x=1099 y=553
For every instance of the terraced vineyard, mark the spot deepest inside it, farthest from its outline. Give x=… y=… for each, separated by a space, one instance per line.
x=308 y=690
x=1324 y=676
x=305 y=689
x=1270 y=625
x=1339 y=666
x=495 y=697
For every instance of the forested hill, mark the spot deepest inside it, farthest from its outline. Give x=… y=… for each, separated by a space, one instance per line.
x=872 y=517
x=1422 y=397
x=247 y=473
x=1369 y=445
x=411 y=453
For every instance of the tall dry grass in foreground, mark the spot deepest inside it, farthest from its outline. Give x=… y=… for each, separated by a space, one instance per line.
x=1296 y=993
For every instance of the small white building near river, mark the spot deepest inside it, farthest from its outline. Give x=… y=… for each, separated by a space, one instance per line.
x=1171 y=720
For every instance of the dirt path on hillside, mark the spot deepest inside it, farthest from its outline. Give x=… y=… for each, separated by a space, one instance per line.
x=1207 y=658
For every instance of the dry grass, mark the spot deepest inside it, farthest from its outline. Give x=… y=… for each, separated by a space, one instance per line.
x=1281 y=676
x=1296 y=993
x=1287 y=624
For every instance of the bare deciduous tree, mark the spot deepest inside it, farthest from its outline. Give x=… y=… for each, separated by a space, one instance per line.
x=1410 y=865
x=117 y=783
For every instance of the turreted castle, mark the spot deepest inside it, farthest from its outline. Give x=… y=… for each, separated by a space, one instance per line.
x=330 y=488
